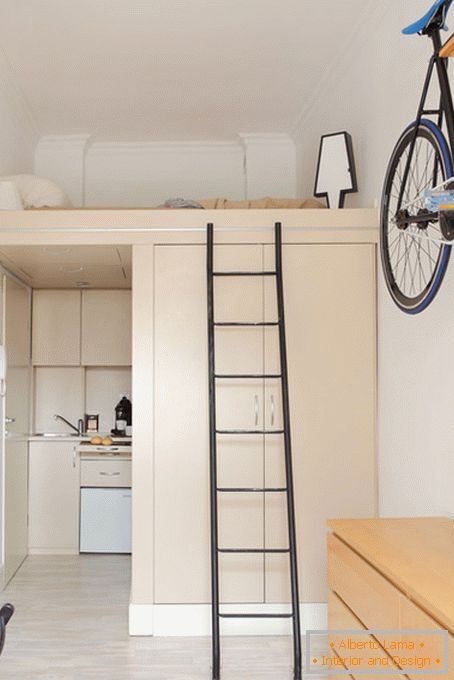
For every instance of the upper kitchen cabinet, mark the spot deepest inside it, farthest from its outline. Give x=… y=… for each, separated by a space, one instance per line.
x=106 y=327
x=56 y=328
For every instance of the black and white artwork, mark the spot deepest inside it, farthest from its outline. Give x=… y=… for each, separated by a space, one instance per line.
x=336 y=174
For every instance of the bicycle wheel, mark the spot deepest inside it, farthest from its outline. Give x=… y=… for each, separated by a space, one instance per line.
x=414 y=264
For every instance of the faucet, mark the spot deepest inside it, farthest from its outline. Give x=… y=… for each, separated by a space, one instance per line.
x=80 y=423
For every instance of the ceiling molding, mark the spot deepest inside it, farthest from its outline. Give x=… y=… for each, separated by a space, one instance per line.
x=170 y=147
x=64 y=140
x=266 y=138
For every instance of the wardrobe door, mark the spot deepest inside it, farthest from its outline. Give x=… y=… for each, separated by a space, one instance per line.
x=330 y=307
x=181 y=452
x=239 y=351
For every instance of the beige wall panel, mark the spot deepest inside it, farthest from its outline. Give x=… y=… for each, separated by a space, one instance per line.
x=143 y=423
x=106 y=327
x=17 y=337
x=331 y=337
x=181 y=422
x=181 y=419
x=56 y=328
x=17 y=323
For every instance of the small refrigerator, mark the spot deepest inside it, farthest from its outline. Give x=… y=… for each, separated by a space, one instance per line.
x=105 y=520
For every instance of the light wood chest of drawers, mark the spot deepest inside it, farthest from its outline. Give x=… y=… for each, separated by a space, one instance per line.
x=394 y=575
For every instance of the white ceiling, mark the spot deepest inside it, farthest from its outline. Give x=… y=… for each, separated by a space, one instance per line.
x=162 y=70
x=69 y=266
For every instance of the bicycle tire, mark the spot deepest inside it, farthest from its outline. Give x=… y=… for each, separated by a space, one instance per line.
x=430 y=147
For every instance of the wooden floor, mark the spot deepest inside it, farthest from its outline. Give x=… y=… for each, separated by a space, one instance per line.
x=71 y=623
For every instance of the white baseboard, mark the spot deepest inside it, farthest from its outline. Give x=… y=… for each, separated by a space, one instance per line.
x=186 y=620
x=141 y=619
x=53 y=551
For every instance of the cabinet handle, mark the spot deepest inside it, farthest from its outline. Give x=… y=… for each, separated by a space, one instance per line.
x=256 y=410
x=74 y=456
x=272 y=409
x=109 y=474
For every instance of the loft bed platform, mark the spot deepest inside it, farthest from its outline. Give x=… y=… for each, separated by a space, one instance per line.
x=138 y=226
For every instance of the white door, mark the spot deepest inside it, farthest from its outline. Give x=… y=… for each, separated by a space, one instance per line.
x=16 y=334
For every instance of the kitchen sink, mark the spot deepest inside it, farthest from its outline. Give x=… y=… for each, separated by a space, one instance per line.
x=56 y=435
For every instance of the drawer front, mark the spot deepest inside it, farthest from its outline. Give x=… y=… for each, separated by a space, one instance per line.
x=374 y=600
x=341 y=618
x=105 y=473
x=414 y=618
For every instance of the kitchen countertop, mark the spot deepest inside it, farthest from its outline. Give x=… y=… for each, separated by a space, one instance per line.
x=119 y=449
x=70 y=438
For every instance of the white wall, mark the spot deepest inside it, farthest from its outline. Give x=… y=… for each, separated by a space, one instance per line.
x=146 y=174
x=17 y=131
x=61 y=158
x=373 y=94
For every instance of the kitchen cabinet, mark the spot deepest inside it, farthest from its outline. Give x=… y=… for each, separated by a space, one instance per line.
x=330 y=315
x=54 y=486
x=56 y=328
x=105 y=473
x=88 y=328
x=106 y=327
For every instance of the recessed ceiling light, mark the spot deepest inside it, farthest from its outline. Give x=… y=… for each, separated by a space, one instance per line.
x=57 y=250
x=68 y=269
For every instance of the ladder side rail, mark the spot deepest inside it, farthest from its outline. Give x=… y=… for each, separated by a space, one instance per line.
x=213 y=461
x=288 y=456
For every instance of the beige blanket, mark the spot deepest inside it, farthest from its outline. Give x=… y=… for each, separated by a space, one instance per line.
x=260 y=203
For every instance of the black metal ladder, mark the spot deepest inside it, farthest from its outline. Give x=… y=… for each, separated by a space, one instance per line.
x=279 y=324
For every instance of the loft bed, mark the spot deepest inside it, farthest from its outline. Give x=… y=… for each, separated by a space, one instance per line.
x=234 y=221
x=141 y=226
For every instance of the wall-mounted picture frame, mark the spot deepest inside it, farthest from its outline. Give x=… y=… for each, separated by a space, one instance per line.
x=336 y=171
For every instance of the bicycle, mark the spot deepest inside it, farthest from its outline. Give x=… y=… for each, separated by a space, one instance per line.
x=417 y=211
x=6 y=613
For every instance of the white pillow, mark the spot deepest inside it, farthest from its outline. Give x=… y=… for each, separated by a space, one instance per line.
x=38 y=192
x=10 y=198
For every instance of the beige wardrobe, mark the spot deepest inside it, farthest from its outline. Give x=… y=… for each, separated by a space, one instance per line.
x=330 y=305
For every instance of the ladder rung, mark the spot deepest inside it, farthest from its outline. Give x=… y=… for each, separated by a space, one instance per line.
x=253 y=551
x=255 y=616
x=244 y=273
x=252 y=490
x=234 y=324
x=248 y=376
x=249 y=431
